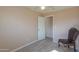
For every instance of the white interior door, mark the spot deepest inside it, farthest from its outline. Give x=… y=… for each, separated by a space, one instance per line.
x=41 y=28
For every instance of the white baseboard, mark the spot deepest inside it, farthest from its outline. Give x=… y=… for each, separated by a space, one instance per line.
x=14 y=50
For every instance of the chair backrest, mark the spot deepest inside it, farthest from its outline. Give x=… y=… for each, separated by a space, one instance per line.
x=73 y=32
x=75 y=35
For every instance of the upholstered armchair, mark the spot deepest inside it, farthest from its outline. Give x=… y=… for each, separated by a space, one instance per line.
x=72 y=35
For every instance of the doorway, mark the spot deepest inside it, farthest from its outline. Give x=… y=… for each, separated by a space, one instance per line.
x=45 y=27
x=49 y=27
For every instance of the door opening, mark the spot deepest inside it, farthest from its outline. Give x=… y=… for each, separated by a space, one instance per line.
x=45 y=27
x=49 y=27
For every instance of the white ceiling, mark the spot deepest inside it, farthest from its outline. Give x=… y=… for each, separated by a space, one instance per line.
x=49 y=8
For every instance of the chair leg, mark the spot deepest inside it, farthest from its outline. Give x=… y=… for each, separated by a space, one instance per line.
x=68 y=46
x=74 y=48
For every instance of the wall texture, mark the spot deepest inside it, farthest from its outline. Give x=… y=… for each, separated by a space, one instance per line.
x=63 y=20
x=18 y=26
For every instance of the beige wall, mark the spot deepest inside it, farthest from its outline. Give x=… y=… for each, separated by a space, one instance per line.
x=49 y=27
x=63 y=20
x=18 y=26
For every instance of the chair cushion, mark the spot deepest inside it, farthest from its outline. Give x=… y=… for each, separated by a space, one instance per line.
x=64 y=41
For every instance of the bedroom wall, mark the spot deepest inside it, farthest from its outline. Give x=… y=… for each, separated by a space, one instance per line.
x=18 y=27
x=63 y=20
